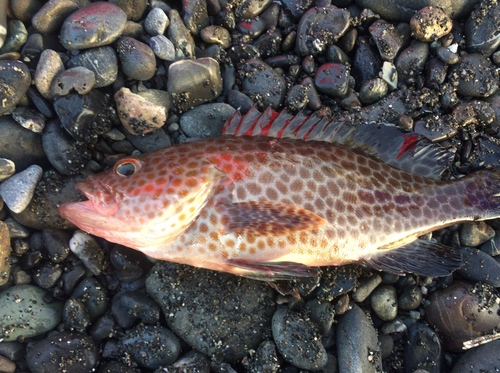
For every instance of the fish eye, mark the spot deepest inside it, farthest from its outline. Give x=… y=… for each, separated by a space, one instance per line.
x=127 y=167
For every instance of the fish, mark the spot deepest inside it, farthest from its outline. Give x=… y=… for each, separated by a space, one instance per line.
x=278 y=208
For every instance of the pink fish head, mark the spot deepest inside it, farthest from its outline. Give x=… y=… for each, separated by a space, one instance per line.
x=145 y=201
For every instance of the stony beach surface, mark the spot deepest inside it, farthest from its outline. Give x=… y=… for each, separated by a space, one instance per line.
x=83 y=84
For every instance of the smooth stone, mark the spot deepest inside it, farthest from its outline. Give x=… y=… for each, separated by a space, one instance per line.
x=40 y=103
x=435 y=73
x=483 y=358
x=94 y=25
x=479 y=266
x=130 y=306
x=17 y=35
x=252 y=8
x=26 y=314
x=384 y=302
x=156 y=22
x=296 y=8
x=18 y=190
x=216 y=35
x=48 y=67
x=7 y=168
x=24 y=10
x=447 y=56
x=103 y=328
x=365 y=287
x=373 y=91
x=56 y=243
x=206 y=120
x=195 y=15
x=410 y=298
x=332 y=79
x=481 y=28
x=102 y=61
x=63 y=352
x=151 y=346
x=136 y=58
x=162 y=47
x=366 y=63
x=358 y=349
x=47 y=275
x=461 y=312
x=240 y=100
x=411 y=61
x=336 y=281
x=298 y=340
x=194 y=82
x=29 y=118
x=387 y=39
x=492 y=246
x=52 y=14
x=320 y=27
x=422 y=350
x=430 y=23
x=263 y=84
x=78 y=78
x=233 y=310
x=86 y=248
x=322 y=314
x=265 y=359
x=5 y=251
x=16 y=79
x=133 y=8
x=269 y=44
x=94 y=297
x=476 y=76
x=129 y=265
x=150 y=141
x=16 y=230
x=403 y=10
x=474 y=234
x=180 y=36
x=142 y=112
x=75 y=314
x=297 y=99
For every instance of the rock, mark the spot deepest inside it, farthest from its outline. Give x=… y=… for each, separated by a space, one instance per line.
x=5 y=251
x=410 y=298
x=481 y=28
x=129 y=265
x=48 y=67
x=130 y=306
x=26 y=314
x=480 y=359
x=137 y=59
x=357 y=344
x=29 y=118
x=192 y=83
x=216 y=35
x=154 y=140
x=86 y=248
x=65 y=351
x=133 y=8
x=411 y=61
x=365 y=287
x=463 y=311
x=423 y=349
x=205 y=316
x=430 y=23
x=7 y=169
x=196 y=16
x=52 y=14
x=78 y=78
x=384 y=302
x=156 y=22
x=93 y=296
x=298 y=340
x=320 y=27
x=479 y=266
x=75 y=314
x=16 y=79
x=206 y=120
x=332 y=79
x=373 y=91
x=476 y=233
x=162 y=47
x=366 y=64
x=387 y=39
x=102 y=61
x=18 y=190
x=476 y=76
x=94 y=25
x=180 y=36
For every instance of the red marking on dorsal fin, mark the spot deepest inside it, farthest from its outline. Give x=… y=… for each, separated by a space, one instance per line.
x=266 y=120
x=408 y=145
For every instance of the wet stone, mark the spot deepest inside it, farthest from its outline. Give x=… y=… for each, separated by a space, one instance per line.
x=16 y=79
x=298 y=339
x=133 y=8
x=156 y=22
x=447 y=56
x=423 y=349
x=65 y=351
x=484 y=358
x=17 y=191
x=476 y=76
x=24 y=10
x=216 y=35
x=372 y=91
x=492 y=246
x=7 y=168
x=75 y=314
x=48 y=67
x=94 y=297
x=103 y=328
x=321 y=313
x=16 y=36
x=476 y=233
x=56 y=243
x=192 y=83
x=410 y=299
x=72 y=278
x=430 y=24
x=320 y=27
x=29 y=118
x=387 y=39
x=102 y=22
x=263 y=84
x=180 y=36
x=337 y=55
x=357 y=344
x=129 y=265
x=195 y=15
x=137 y=59
x=384 y=302
x=365 y=287
x=151 y=346
x=264 y=360
x=47 y=275
x=150 y=141
x=463 y=311
x=206 y=120
x=142 y=112
x=203 y=316
x=297 y=98
x=102 y=61
x=366 y=63
x=479 y=266
x=337 y=280
x=130 y=306
x=25 y=313
x=79 y=78
x=411 y=61
x=52 y=14
x=332 y=79
x=86 y=248
x=5 y=250
x=481 y=28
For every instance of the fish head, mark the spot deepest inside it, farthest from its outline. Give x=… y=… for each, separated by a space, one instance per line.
x=144 y=201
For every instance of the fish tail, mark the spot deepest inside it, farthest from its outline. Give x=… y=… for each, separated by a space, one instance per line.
x=482 y=190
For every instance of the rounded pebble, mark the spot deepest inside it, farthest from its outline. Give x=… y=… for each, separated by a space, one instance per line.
x=129 y=306
x=16 y=79
x=78 y=78
x=102 y=61
x=162 y=47
x=206 y=120
x=423 y=349
x=484 y=358
x=430 y=23
x=332 y=79
x=156 y=22
x=481 y=28
x=137 y=59
x=18 y=190
x=476 y=76
x=384 y=302
x=52 y=14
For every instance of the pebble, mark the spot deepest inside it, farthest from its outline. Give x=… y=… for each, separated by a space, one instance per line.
x=298 y=340
x=332 y=79
x=430 y=23
x=373 y=91
x=5 y=251
x=463 y=311
x=320 y=27
x=48 y=67
x=102 y=61
x=151 y=346
x=206 y=120
x=162 y=47
x=156 y=22
x=212 y=318
x=18 y=190
x=130 y=306
x=63 y=352
x=75 y=314
x=484 y=358
x=129 y=265
x=474 y=234
x=387 y=39
x=86 y=248
x=410 y=298
x=180 y=36
x=410 y=63
x=16 y=37
x=423 y=349
x=79 y=78
x=29 y=118
x=447 y=56
x=216 y=35
x=94 y=297
x=16 y=79
x=47 y=275
x=196 y=15
x=492 y=246
x=7 y=168
x=193 y=82
x=137 y=59
x=481 y=28
x=476 y=76
x=52 y=14
x=94 y=25
x=154 y=140
x=26 y=314
x=56 y=243
x=384 y=302
x=479 y=266
x=366 y=63
x=133 y=9
x=365 y=287
x=7 y=365
x=358 y=349
x=103 y=328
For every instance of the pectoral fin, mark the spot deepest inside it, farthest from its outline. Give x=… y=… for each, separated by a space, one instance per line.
x=424 y=258
x=267 y=218
x=270 y=271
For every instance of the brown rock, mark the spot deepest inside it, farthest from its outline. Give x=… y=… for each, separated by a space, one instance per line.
x=430 y=23
x=4 y=253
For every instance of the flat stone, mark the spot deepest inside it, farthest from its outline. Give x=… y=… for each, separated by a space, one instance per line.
x=18 y=190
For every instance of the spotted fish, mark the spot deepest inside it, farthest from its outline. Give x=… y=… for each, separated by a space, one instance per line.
x=273 y=208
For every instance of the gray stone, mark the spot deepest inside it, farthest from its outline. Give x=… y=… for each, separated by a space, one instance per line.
x=206 y=120
x=384 y=302
x=18 y=190
x=162 y=47
x=476 y=233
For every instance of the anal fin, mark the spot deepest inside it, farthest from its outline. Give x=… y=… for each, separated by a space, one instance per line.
x=269 y=271
x=424 y=258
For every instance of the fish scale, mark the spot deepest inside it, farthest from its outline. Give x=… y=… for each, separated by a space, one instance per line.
x=273 y=208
